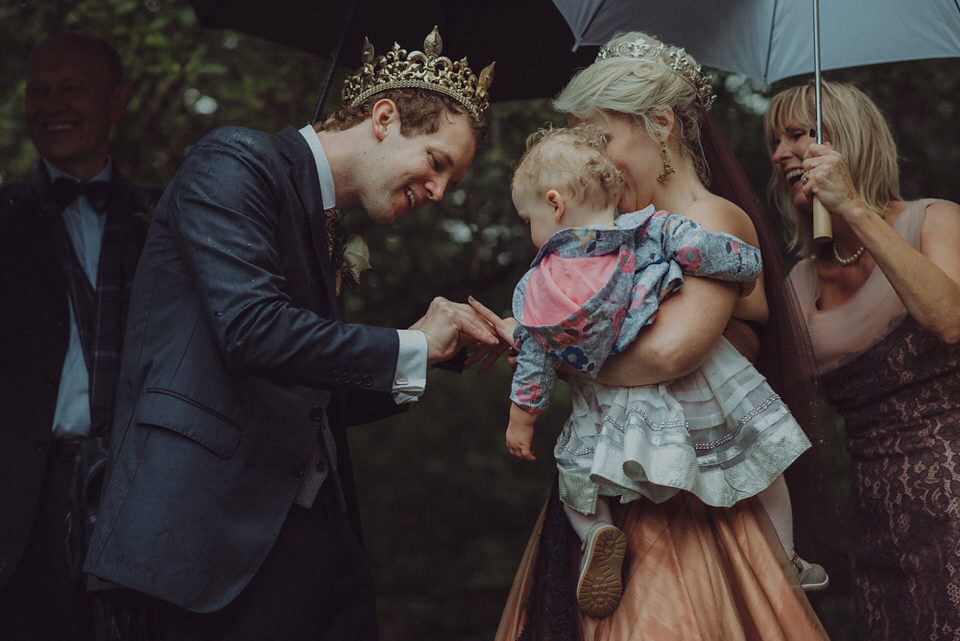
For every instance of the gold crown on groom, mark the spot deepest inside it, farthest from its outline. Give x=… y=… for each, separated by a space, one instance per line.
x=425 y=69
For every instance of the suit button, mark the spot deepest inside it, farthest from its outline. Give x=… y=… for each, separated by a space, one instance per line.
x=316 y=413
x=298 y=468
x=40 y=446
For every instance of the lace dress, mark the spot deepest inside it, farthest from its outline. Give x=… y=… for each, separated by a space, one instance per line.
x=898 y=389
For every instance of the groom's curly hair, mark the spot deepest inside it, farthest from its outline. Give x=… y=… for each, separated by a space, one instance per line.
x=420 y=111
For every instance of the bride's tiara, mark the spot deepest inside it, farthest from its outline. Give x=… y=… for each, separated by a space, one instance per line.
x=674 y=59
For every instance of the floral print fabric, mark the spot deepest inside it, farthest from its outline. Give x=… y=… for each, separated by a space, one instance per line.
x=653 y=249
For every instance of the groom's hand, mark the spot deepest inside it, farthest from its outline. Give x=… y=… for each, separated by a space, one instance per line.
x=449 y=326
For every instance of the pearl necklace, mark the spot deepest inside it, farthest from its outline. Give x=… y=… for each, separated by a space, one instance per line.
x=846 y=262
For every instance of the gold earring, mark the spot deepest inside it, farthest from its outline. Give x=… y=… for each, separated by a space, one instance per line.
x=667 y=167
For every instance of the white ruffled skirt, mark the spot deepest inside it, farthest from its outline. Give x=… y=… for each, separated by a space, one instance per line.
x=720 y=432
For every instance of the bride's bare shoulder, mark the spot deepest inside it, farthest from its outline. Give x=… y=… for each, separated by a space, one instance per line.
x=719 y=214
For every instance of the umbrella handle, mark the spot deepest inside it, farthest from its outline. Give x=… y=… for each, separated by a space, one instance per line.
x=822 y=229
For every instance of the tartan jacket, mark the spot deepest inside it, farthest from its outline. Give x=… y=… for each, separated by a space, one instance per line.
x=34 y=333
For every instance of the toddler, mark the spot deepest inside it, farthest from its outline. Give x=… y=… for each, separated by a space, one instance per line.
x=596 y=282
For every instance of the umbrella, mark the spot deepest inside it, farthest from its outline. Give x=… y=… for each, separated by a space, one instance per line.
x=768 y=40
x=528 y=39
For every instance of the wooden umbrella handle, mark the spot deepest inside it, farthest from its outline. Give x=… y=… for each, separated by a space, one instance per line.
x=822 y=229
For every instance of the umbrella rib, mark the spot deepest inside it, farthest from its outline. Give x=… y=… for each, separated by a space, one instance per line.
x=766 y=62
x=578 y=37
x=334 y=60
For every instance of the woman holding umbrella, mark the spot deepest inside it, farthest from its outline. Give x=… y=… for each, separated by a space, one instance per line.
x=882 y=302
x=691 y=571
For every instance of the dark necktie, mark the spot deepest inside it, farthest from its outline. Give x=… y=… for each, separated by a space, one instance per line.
x=65 y=191
x=332 y=218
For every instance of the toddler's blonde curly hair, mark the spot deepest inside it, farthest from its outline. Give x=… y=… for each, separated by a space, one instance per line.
x=572 y=160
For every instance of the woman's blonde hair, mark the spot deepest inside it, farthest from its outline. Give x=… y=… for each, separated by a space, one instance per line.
x=574 y=161
x=855 y=127
x=642 y=87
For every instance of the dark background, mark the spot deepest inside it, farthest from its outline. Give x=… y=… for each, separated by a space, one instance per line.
x=446 y=511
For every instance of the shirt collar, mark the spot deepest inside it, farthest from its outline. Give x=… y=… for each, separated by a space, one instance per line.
x=54 y=173
x=327 y=190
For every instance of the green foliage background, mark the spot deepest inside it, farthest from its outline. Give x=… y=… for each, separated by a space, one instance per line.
x=446 y=511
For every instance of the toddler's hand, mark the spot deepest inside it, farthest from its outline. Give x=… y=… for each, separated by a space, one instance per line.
x=520 y=440
x=520 y=433
x=504 y=328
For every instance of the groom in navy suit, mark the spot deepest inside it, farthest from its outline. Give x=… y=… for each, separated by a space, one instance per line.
x=230 y=506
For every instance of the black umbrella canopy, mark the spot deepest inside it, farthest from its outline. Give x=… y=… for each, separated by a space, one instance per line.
x=529 y=39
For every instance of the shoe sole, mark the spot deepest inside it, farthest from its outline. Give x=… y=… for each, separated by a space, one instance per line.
x=815 y=587
x=599 y=588
x=797 y=563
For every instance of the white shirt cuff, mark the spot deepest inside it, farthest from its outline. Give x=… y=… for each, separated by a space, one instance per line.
x=410 y=379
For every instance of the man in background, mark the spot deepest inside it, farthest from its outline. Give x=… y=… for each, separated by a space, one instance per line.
x=70 y=237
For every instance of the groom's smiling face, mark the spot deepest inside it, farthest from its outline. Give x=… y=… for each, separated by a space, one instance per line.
x=404 y=173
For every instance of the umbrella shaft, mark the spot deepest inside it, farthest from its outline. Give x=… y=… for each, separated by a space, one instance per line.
x=816 y=68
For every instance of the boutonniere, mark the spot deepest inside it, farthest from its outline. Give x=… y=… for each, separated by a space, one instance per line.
x=354 y=258
x=356 y=255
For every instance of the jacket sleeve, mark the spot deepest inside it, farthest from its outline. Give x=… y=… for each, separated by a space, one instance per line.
x=706 y=253
x=226 y=209
x=536 y=373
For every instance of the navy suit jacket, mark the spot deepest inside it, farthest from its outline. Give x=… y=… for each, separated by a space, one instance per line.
x=235 y=351
x=34 y=334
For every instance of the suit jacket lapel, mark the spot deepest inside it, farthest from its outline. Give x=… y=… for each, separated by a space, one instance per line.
x=131 y=203
x=303 y=175
x=42 y=219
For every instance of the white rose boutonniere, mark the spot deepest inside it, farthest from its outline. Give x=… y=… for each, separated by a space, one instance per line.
x=354 y=258
x=356 y=255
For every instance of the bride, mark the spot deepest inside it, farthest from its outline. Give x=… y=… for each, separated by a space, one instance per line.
x=691 y=571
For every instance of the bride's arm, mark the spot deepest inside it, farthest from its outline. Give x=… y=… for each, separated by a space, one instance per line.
x=687 y=327
x=690 y=322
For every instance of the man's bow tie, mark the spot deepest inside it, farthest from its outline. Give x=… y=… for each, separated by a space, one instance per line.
x=65 y=191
